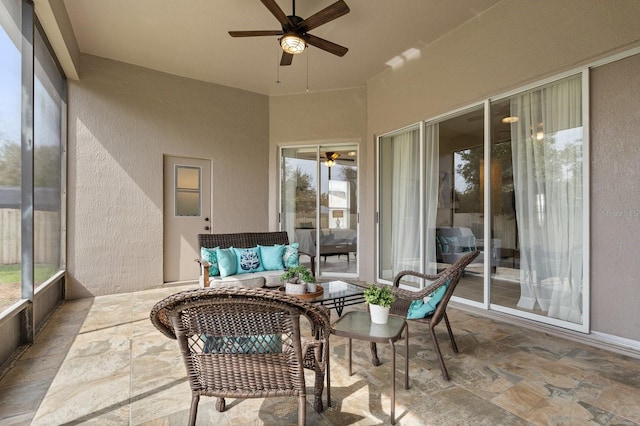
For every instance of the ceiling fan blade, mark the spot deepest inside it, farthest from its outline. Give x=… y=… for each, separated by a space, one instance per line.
x=278 y=13
x=287 y=58
x=255 y=33
x=327 y=14
x=323 y=44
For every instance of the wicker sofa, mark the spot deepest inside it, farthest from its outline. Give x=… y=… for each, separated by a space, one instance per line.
x=244 y=240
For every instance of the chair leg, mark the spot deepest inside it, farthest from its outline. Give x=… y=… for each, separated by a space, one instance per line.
x=302 y=410
x=317 y=392
x=220 y=405
x=194 y=409
x=453 y=340
x=445 y=374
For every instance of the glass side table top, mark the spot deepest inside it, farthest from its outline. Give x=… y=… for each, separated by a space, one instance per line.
x=358 y=325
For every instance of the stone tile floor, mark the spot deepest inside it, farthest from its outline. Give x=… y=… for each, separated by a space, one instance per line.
x=101 y=361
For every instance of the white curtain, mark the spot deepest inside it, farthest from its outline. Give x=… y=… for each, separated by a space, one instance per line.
x=547 y=144
x=405 y=212
x=432 y=182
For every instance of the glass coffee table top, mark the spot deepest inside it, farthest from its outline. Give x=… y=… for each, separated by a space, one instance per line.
x=338 y=294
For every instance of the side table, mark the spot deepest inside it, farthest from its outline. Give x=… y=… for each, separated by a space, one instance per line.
x=358 y=325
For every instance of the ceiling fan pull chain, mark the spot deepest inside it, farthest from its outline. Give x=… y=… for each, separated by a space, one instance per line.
x=277 y=66
x=307 y=70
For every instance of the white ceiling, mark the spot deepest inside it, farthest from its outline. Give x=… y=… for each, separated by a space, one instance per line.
x=190 y=38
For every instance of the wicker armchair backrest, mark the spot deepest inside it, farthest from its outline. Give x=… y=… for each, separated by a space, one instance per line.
x=243 y=239
x=246 y=343
x=452 y=275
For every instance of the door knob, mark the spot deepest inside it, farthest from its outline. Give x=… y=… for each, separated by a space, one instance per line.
x=206 y=228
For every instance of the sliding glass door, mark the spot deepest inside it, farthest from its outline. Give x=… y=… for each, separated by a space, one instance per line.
x=539 y=209
x=515 y=191
x=319 y=205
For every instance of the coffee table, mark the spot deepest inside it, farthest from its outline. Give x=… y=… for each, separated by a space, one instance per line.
x=358 y=325
x=338 y=294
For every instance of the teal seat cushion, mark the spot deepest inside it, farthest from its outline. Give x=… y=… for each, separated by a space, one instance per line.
x=423 y=308
x=248 y=260
x=272 y=257
x=209 y=254
x=291 y=256
x=262 y=344
x=226 y=261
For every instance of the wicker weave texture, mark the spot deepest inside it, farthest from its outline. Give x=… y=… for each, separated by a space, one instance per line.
x=246 y=343
x=243 y=239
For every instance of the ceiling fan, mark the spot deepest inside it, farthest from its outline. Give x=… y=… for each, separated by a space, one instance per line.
x=295 y=30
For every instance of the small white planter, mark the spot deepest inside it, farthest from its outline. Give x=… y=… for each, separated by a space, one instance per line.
x=312 y=287
x=379 y=315
x=295 y=288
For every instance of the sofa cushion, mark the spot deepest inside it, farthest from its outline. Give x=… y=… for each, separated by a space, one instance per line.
x=226 y=261
x=248 y=260
x=210 y=256
x=290 y=257
x=272 y=257
x=272 y=278
x=252 y=280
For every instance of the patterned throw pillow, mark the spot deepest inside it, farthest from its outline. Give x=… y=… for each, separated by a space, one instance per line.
x=226 y=261
x=271 y=257
x=210 y=256
x=248 y=260
x=424 y=307
x=290 y=257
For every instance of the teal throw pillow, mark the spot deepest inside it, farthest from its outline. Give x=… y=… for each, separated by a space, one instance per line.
x=271 y=257
x=421 y=309
x=290 y=257
x=248 y=260
x=226 y=261
x=209 y=254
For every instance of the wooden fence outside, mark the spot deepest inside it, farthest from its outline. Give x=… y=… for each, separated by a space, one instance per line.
x=46 y=225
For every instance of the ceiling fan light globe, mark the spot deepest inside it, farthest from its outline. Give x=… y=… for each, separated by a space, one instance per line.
x=292 y=44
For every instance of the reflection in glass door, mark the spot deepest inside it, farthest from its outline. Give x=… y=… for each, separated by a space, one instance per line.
x=319 y=206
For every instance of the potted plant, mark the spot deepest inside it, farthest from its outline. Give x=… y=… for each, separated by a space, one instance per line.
x=296 y=279
x=379 y=298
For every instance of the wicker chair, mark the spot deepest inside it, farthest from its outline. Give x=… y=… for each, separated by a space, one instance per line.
x=246 y=343
x=404 y=298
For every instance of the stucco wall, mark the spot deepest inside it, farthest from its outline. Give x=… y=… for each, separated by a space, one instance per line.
x=513 y=44
x=615 y=198
x=122 y=120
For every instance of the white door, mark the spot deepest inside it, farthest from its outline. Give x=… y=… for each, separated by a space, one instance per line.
x=187 y=213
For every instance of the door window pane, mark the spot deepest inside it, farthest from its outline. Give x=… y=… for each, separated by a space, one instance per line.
x=399 y=203
x=319 y=206
x=338 y=208
x=10 y=166
x=187 y=191
x=539 y=215
x=298 y=197
x=459 y=223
